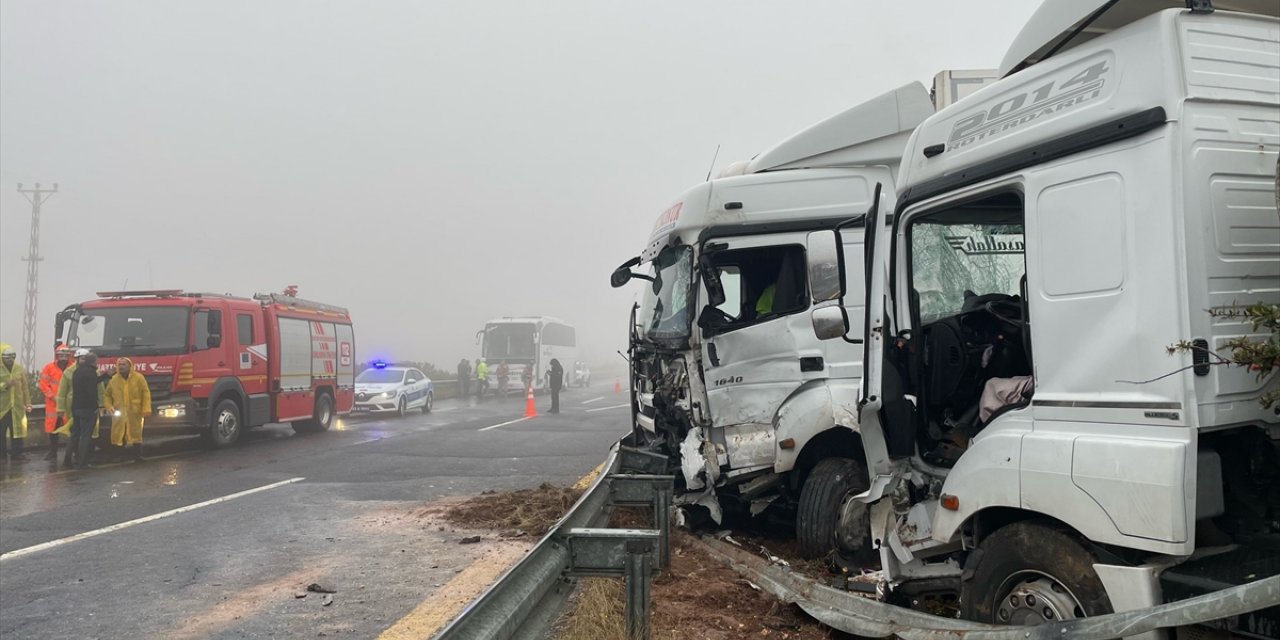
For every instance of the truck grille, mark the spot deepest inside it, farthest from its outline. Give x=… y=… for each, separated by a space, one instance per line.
x=160 y=386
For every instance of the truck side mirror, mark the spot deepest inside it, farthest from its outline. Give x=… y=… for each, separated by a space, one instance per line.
x=823 y=255
x=214 y=341
x=829 y=321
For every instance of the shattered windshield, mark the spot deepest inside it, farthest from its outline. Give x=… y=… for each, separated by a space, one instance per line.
x=666 y=314
x=949 y=259
x=130 y=331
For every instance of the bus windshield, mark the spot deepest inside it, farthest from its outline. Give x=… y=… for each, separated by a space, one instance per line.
x=129 y=331
x=510 y=341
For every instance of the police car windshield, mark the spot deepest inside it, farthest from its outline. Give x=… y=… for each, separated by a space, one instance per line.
x=380 y=376
x=126 y=331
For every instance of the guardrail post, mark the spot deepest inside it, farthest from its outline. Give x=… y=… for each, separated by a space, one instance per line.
x=654 y=492
x=637 y=578
x=662 y=521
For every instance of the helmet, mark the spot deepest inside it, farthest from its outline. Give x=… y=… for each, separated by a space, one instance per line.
x=8 y=352
x=62 y=348
x=82 y=352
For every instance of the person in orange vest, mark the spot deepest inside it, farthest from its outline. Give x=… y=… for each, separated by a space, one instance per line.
x=128 y=401
x=50 y=379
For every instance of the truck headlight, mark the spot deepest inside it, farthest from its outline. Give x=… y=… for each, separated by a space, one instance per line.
x=172 y=411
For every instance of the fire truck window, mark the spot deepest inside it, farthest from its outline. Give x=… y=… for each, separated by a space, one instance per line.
x=202 y=323
x=244 y=329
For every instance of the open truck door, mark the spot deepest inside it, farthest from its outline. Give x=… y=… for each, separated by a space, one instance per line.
x=876 y=330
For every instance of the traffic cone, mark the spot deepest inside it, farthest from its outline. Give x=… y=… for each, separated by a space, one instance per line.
x=530 y=407
x=617 y=385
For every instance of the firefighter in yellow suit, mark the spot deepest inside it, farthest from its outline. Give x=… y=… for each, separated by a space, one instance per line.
x=15 y=403
x=128 y=400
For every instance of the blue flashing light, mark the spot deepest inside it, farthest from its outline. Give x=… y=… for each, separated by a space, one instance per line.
x=379 y=364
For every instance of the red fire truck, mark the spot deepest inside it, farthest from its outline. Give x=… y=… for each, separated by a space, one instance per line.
x=219 y=364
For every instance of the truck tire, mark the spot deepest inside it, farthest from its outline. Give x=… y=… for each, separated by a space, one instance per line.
x=224 y=424
x=426 y=406
x=819 y=511
x=321 y=416
x=1029 y=573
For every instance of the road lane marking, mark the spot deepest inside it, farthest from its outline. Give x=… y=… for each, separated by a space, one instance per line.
x=446 y=602
x=594 y=400
x=125 y=525
x=616 y=406
x=502 y=424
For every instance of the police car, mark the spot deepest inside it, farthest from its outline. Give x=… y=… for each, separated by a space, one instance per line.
x=387 y=388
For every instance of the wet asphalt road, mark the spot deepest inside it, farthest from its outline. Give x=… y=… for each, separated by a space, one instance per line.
x=231 y=569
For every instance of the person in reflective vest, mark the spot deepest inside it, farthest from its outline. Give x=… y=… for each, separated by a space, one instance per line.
x=482 y=379
x=50 y=380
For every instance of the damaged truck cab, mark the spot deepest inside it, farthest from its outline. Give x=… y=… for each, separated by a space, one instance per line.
x=731 y=377
x=1039 y=444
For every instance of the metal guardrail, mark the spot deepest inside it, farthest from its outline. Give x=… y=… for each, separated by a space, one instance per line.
x=527 y=599
x=855 y=614
x=530 y=596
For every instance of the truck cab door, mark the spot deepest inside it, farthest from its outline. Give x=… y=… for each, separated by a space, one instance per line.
x=757 y=345
x=209 y=350
x=877 y=233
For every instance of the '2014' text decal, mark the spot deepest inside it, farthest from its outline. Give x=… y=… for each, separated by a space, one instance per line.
x=1046 y=100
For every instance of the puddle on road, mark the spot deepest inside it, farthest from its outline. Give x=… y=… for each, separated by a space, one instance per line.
x=115 y=487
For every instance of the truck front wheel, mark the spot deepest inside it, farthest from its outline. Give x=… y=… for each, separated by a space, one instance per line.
x=1029 y=573
x=224 y=424
x=818 y=514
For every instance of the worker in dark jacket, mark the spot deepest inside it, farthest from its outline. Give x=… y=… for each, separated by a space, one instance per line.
x=555 y=378
x=85 y=407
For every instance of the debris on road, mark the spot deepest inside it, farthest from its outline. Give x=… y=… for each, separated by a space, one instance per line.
x=470 y=540
x=328 y=600
x=316 y=587
x=531 y=511
x=300 y=594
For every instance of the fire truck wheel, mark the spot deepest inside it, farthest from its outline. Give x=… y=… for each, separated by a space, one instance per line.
x=1029 y=573
x=321 y=416
x=819 y=511
x=426 y=406
x=224 y=424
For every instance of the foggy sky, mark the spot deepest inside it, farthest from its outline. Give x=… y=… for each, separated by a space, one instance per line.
x=428 y=165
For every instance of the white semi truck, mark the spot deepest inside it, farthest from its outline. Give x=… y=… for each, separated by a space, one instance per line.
x=731 y=380
x=1026 y=439
x=1029 y=438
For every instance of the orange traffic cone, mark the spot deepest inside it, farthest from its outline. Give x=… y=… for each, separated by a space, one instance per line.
x=617 y=385
x=530 y=407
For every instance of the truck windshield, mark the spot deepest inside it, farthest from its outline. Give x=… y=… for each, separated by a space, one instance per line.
x=509 y=341
x=950 y=261
x=125 y=331
x=667 y=311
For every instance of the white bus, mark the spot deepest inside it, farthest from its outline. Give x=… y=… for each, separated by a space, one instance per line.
x=527 y=342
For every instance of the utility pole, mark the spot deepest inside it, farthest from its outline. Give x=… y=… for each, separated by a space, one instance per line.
x=36 y=197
